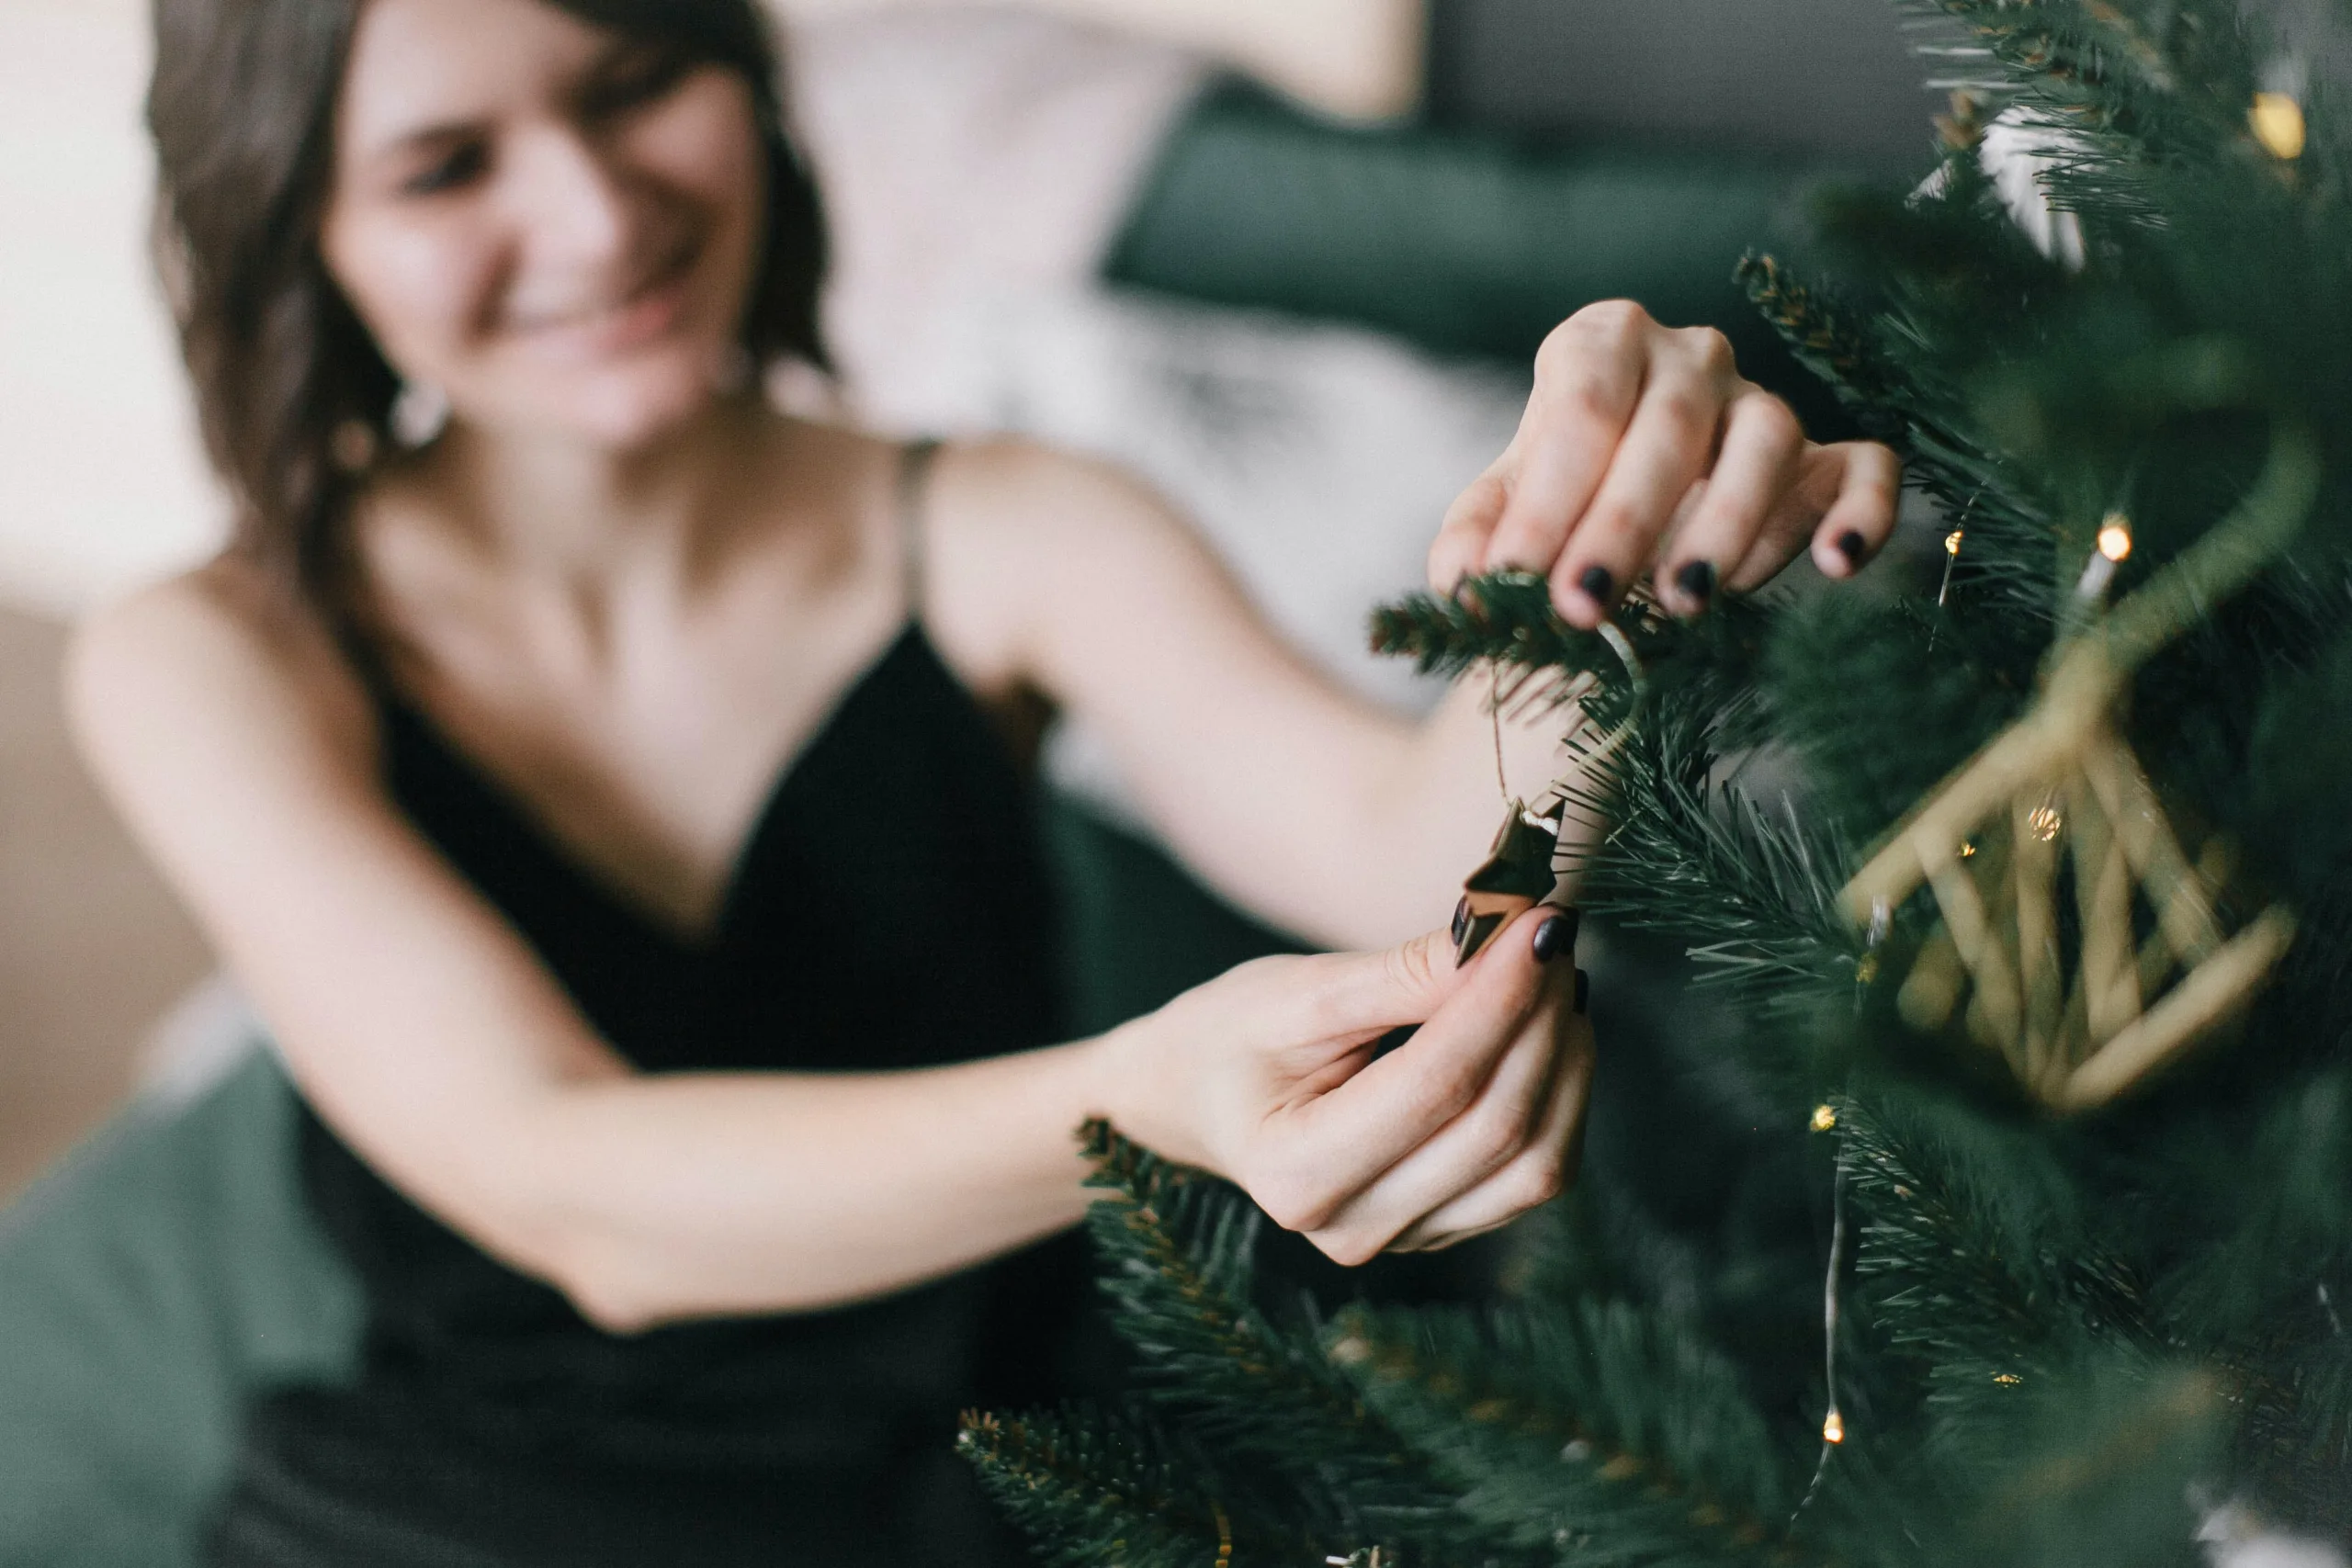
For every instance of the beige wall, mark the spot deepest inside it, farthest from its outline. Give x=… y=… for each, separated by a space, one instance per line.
x=100 y=485
x=93 y=949
x=100 y=480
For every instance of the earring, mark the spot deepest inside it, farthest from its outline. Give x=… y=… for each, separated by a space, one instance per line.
x=419 y=413
x=353 y=446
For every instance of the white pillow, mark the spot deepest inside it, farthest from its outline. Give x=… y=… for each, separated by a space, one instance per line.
x=965 y=152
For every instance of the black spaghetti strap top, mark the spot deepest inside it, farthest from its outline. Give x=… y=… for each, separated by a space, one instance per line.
x=890 y=909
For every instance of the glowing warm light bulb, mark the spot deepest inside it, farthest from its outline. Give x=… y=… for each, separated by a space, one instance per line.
x=1824 y=1118
x=2114 y=543
x=1833 y=1430
x=2115 y=536
x=1951 y=543
x=2277 y=121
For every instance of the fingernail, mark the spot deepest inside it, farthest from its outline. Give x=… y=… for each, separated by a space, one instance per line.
x=1460 y=920
x=1556 y=936
x=1596 y=583
x=1697 y=580
x=1584 y=992
x=1850 y=544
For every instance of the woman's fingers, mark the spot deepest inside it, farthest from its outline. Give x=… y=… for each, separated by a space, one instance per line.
x=1761 y=447
x=1590 y=375
x=1324 y=1148
x=1841 y=498
x=1637 y=434
x=1862 y=514
x=1460 y=548
x=1589 y=380
x=1540 y=1171
x=1484 y=1138
x=1370 y=993
x=1666 y=447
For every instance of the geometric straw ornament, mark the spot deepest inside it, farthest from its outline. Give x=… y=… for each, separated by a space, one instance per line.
x=2057 y=808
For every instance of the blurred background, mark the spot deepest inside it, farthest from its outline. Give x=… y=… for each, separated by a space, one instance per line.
x=1287 y=260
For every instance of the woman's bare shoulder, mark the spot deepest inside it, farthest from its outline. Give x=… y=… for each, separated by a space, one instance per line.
x=1014 y=479
x=221 y=651
x=1016 y=532
x=1021 y=516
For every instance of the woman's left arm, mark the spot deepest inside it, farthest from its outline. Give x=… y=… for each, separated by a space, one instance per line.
x=1281 y=790
x=1640 y=448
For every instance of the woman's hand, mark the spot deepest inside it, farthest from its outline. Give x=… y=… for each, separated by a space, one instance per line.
x=1643 y=447
x=1268 y=1077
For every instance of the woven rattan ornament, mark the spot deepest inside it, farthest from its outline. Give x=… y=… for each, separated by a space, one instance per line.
x=2150 y=970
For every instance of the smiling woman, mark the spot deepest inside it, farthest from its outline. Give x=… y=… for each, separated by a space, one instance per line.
x=284 y=200
x=615 y=801
x=490 y=244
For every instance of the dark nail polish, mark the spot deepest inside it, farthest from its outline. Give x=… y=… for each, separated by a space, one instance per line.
x=1552 y=936
x=1460 y=920
x=1597 y=583
x=1584 y=992
x=1697 y=580
x=1850 y=544
x=1556 y=935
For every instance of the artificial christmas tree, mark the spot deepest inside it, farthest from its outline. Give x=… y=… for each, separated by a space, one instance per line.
x=2041 y=965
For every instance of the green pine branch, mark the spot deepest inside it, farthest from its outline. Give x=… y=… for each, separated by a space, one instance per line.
x=1821 y=334
x=2255 y=1189
x=1507 y=617
x=1980 y=1258
x=1096 y=1491
x=2295 y=1446
x=1175 y=1245
x=2099 y=1466
x=2275 y=1182
x=1751 y=899
x=2135 y=86
x=1918 y=692
x=1597 y=1434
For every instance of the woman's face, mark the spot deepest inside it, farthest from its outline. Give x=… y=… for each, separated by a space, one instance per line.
x=554 y=225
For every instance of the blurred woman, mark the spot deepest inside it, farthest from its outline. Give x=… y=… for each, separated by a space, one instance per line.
x=614 y=794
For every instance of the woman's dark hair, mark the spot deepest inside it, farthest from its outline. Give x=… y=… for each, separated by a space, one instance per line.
x=242 y=109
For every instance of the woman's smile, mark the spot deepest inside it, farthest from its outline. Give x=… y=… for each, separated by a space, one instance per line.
x=555 y=225
x=644 y=313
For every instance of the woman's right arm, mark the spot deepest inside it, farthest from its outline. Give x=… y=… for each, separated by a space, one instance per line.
x=242 y=752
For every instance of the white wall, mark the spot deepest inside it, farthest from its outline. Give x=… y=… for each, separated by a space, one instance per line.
x=1355 y=58
x=101 y=483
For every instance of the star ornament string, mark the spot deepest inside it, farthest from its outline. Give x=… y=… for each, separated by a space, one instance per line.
x=1526 y=865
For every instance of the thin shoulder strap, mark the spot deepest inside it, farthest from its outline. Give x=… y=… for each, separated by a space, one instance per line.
x=914 y=483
